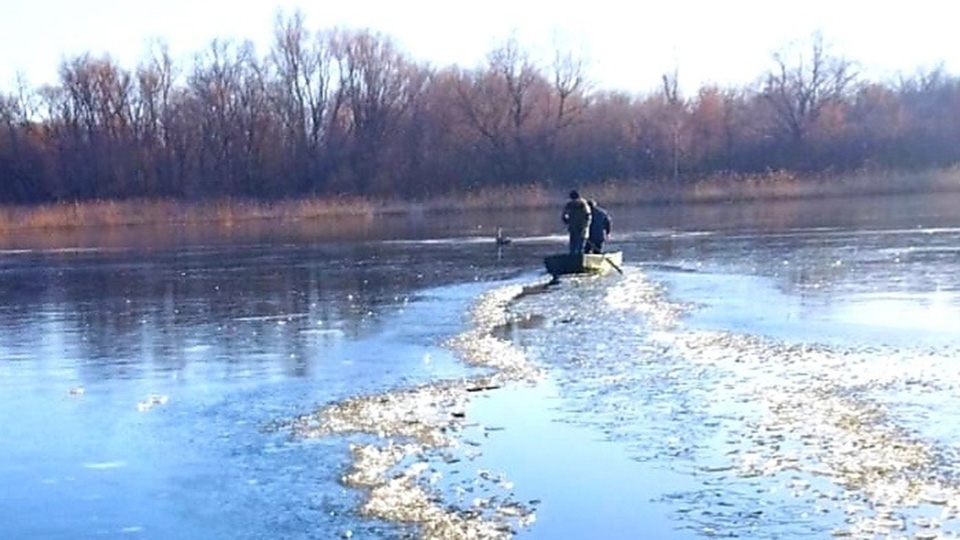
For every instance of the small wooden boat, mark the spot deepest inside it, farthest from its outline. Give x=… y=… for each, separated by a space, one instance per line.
x=587 y=263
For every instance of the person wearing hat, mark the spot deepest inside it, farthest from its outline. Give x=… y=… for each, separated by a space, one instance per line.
x=576 y=215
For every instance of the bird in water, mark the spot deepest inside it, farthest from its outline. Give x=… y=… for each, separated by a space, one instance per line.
x=501 y=239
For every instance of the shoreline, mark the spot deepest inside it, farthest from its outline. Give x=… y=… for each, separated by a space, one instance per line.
x=230 y=213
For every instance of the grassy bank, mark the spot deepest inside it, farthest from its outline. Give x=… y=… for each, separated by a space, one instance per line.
x=716 y=188
x=225 y=213
x=777 y=185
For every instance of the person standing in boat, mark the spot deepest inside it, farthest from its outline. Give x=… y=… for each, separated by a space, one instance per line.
x=599 y=227
x=576 y=215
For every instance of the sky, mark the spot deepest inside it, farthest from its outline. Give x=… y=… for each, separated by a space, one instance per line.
x=627 y=45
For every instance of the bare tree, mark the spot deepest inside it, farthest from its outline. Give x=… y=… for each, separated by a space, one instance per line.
x=508 y=103
x=521 y=80
x=799 y=88
x=155 y=79
x=567 y=103
x=377 y=87
x=229 y=86
x=930 y=101
x=676 y=111
x=11 y=114
x=338 y=111
x=99 y=112
x=301 y=94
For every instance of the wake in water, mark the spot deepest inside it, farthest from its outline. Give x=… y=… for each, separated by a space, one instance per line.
x=420 y=429
x=784 y=439
x=812 y=431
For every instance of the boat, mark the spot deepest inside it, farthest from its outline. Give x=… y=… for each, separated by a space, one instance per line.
x=586 y=263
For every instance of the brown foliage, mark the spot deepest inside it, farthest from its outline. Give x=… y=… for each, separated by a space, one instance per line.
x=343 y=112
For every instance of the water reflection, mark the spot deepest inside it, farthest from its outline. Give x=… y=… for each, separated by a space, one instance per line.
x=174 y=361
x=244 y=327
x=121 y=309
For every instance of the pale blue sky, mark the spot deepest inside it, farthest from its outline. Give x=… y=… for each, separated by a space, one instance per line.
x=628 y=44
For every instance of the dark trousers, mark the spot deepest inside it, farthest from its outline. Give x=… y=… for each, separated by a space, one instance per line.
x=595 y=245
x=577 y=241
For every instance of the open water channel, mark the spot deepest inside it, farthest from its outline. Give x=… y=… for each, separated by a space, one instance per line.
x=762 y=370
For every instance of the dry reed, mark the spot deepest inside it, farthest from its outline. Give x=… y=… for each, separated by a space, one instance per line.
x=224 y=213
x=231 y=212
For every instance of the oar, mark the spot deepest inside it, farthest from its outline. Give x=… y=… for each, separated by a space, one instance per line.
x=613 y=264
x=608 y=259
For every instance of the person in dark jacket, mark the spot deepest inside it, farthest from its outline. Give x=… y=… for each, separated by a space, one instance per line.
x=576 y=215
x=599 y=227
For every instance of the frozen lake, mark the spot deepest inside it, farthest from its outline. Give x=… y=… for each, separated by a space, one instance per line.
x=759 y=370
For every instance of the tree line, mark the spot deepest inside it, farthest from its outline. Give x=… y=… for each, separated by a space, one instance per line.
x=345 y=112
